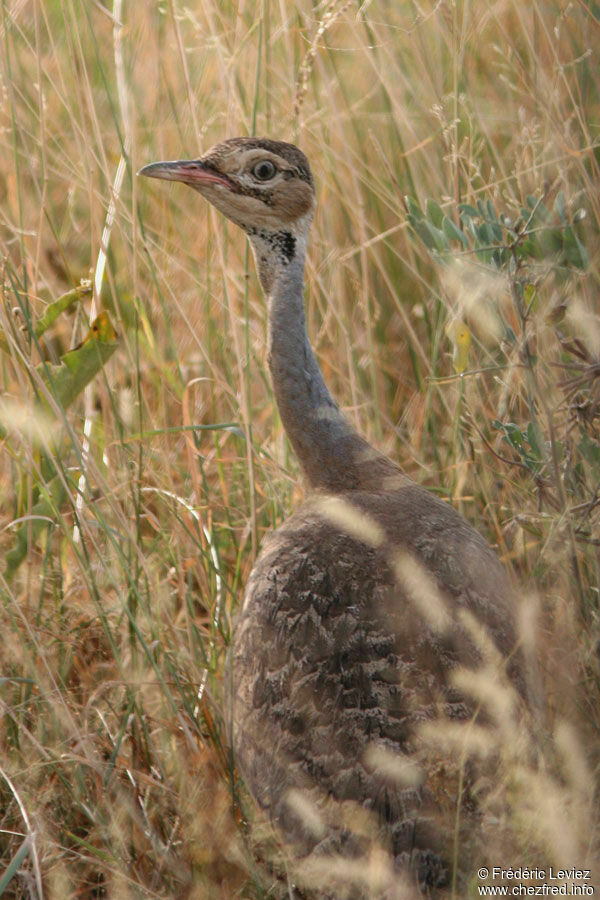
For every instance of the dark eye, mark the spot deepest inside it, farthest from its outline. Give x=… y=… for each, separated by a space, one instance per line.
x=264 y=170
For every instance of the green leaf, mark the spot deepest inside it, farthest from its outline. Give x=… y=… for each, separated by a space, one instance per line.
x=497 y=232
x=413 y=207
x=454 y=233
x=53 y=310
x=43 y=513
x=529 y=296
x=434 y=213
x=551 y=241
x=485 y=234
x=14 y=865
x=432 y=237
x=532 y=437
x=77 y=367
x=514 y=434
x=442 y=244
x=531 y=248
x=574 y=253
x=526 y=445
x=590 y=450
x=467 y=210
x=583 y=261
x=422 y=231
x=498 y=259
x=559 y=206
x=65 y=382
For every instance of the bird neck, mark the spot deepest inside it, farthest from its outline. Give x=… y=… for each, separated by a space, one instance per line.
x=331 y=453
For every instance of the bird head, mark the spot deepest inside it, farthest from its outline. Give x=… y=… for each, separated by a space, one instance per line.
x=263 y=186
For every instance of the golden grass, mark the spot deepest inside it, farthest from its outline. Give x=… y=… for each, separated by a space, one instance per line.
x=113 y=632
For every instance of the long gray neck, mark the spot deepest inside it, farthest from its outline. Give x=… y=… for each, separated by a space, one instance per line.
x=332 y=455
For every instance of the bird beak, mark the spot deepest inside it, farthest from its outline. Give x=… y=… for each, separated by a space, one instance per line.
x=193 y=172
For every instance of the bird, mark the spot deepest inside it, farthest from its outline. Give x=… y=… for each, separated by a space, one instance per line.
x=361 y=608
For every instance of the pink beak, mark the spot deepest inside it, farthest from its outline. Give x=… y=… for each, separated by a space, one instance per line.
x=193 y=172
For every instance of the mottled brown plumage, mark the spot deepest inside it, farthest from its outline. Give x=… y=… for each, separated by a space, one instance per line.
x=360 y=608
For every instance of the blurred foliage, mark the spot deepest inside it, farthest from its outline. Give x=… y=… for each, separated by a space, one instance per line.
x=496 y=240
x=56 y=388
x=541 y=258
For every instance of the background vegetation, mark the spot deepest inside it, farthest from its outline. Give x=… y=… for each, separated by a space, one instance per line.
x=132 y=509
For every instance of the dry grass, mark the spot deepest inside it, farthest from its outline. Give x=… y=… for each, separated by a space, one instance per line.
x=114 y=778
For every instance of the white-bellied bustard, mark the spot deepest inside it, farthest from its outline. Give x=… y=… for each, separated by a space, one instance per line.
x=357 y=611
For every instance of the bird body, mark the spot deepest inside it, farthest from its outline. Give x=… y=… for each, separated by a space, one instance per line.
x=360 y=608
x=333 y=659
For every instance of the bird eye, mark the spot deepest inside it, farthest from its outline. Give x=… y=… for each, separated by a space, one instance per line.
x=264 y=170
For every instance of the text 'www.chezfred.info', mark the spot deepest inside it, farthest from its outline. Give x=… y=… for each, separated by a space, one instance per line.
x=523 y=881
